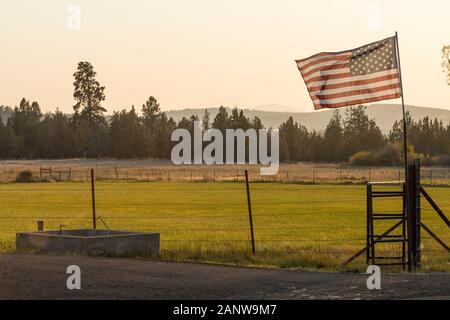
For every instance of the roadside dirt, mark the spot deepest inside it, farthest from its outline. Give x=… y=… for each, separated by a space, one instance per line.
x=44 y=277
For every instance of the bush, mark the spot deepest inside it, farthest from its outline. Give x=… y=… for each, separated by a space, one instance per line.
x=388 y=155
x=25 y=176
x=362 y=158
x=441 y=160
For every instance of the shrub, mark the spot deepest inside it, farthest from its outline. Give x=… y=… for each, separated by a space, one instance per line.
x=25 y=176
x=362 y=158
x=441 y=160
x=388 y=155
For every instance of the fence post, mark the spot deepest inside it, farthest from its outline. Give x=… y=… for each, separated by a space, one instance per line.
x=250 y=216
x=369 y=226
x=417 y=210
x=94 y=218
x=414 y=217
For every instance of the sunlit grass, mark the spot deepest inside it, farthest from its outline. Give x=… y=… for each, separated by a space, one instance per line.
x=308 y=226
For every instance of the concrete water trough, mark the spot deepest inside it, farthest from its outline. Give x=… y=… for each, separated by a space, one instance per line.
x=90 y=242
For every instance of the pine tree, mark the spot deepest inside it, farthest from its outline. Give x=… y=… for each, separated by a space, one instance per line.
x=89 y=94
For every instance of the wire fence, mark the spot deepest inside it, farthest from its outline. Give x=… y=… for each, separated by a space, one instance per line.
x=322 y=223
x=306 y=174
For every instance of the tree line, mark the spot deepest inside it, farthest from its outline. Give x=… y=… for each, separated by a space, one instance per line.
x=27 y=133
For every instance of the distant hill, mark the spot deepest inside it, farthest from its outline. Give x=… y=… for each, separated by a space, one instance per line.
x=384 y=114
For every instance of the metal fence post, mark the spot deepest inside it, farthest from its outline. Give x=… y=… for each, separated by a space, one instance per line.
x=414 y=217
x=250 y=217
x=369 y=223
x=94 y=218
x=418 y=223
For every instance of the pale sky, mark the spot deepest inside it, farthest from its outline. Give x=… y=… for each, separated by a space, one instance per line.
x=204 y=53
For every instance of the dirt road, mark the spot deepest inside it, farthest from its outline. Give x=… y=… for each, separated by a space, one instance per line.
x=44 y=277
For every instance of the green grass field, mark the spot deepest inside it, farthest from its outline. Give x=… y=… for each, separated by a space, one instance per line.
x=307 y=226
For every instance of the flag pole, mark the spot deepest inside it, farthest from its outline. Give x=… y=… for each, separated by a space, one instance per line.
x=405 y=140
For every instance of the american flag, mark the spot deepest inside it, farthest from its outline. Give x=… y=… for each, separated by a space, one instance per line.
x=362 y=75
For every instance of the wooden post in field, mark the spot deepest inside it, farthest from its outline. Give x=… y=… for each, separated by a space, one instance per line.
x=250 y=217
x=94 y=218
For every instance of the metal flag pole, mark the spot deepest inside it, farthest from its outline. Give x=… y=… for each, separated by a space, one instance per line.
x=405 y=140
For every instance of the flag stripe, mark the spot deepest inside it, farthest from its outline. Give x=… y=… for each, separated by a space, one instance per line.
x=309 y=63
x=357 y=87
x=356 y=97
x=322 y=74
x=320 y=56
x=327 y=87
x=371 y=76
x=356 y=92
x=318 y=106
x=332 y=66
x=331 y=77
x=323 y=64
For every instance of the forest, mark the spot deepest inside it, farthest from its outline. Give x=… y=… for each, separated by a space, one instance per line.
x=350 y=136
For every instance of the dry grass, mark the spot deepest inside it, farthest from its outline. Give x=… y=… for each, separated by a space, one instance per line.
x=148 y=170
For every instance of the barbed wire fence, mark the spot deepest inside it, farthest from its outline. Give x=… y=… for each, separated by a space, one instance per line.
x=306 y=175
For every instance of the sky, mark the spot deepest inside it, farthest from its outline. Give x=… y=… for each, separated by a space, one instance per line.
x=206 y=53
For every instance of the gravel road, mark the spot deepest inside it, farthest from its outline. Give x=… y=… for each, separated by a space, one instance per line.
x=44 y=277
